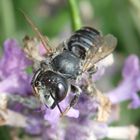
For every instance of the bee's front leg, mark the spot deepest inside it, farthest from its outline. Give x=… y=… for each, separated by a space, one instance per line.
x=77 y=91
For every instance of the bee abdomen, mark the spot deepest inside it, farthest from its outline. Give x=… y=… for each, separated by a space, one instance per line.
x=82 y=40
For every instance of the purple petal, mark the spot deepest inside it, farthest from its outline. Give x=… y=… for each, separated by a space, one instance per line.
x=52 y=133
x=12 y=64
x=87 y=106
x=53 y=115
x=16 y=84
x=131 y=66
x=73 y=113
x=121 y=93
x=135 y=101
x=90 y=130
x=76 y=132
x=128 y=88
x=13 y=60
x=34 y=126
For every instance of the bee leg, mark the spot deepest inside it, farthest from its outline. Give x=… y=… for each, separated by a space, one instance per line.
x=77 y=91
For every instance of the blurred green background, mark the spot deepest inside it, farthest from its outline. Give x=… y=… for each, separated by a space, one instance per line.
x=118 y=17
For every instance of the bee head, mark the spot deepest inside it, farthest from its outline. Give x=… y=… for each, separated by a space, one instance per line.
x=52 y=88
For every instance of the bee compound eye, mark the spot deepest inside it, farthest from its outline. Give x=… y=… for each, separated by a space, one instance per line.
x=61 y=87
x=60 y=92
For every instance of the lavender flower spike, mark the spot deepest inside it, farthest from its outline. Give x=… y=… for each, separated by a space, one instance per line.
x=130 y=85
x=90 y=130
x=12 y=66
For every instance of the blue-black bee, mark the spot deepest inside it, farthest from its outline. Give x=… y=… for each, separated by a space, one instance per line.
x=63 y=67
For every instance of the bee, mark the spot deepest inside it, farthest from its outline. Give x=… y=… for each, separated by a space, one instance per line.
x=63 y=67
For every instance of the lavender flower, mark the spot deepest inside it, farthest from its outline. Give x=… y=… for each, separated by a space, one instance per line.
x=53 y=133
x=130 y=85
x=88 y=130
x=87 y=106
x=80 y=123
x=12 y=65
x=35 y=126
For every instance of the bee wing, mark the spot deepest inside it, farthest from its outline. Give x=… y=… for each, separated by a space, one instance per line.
x=43 y=39
x=107 y=46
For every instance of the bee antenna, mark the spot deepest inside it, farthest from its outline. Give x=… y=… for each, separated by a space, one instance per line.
x=44 y=41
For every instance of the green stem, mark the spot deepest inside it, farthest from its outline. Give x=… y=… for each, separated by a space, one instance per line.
x=74 y=14
x=8 y=19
